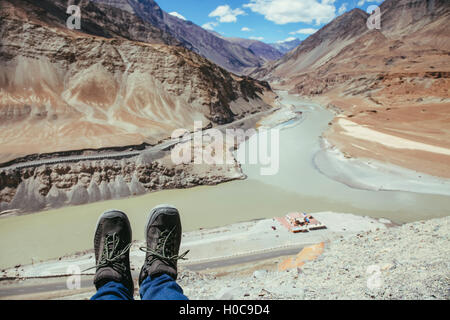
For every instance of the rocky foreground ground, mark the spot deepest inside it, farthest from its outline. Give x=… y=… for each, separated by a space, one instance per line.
x=407 y=262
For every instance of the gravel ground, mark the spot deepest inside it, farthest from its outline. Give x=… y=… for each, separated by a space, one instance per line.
x=407 y=262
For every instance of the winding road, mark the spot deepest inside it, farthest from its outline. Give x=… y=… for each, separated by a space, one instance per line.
x=164 y=146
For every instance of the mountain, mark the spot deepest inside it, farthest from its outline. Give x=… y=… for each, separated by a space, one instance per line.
x=101 y=20
x=392 y=82
x=286 y=46
x=410 y=29
x=119 y=81
x=228 y=55
x=317 y=48
x=261 y=49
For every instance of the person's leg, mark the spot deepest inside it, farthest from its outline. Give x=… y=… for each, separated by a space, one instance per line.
x=113 y=291
x=163 y=287
x=159 y=272
x=112 y=242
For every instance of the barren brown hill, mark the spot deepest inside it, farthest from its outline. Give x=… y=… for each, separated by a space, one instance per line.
x=67 y=90
x=391 y=86
x=261 y=49
x=318 y=48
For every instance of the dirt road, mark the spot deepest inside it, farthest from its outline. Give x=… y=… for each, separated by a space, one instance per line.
x=19 y=289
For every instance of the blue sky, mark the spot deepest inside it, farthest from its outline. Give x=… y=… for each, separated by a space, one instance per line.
x=266 y=20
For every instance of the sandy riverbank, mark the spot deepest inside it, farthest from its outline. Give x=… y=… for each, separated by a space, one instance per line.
x=220 y=243
x=409 y=132
x=362 y=157
x=217 y=246
x=370 y=174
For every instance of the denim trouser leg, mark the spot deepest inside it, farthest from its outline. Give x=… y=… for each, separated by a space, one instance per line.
x=113 y=291
x=163 y=287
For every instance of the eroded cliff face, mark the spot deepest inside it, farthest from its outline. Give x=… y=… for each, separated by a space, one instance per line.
x=34 y=189
x=68 y=90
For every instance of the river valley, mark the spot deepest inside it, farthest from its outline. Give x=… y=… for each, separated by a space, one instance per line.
x=298 y=186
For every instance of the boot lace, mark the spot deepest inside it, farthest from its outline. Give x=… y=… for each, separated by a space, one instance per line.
x=162 y=250
x=111 y=255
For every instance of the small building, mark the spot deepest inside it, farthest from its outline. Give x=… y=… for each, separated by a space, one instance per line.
x=300 y=222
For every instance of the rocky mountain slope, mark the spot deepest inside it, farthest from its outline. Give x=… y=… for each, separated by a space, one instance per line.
x=229 y=55
x=391 y=86
x=116 y=82
x=286 y=46
x=261 y=49
x=97 y=19
x=317 y=48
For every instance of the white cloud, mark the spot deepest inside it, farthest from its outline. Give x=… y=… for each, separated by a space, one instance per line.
x=176 y=14
x=245 y=29
x=226 y=14
x=304 y=31
x=210 y=25
x=290 y=11
x=257 y=38
x=287 y=40
x=342 y=9
x=363 y=2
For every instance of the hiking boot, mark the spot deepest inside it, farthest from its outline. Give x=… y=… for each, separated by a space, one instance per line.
x=163 y=236
x=112 y=244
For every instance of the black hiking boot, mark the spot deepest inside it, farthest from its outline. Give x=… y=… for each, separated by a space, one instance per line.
x=112 y=244
x=163 y=236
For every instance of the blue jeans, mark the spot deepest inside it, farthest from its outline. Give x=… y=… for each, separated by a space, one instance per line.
x=163 y=287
